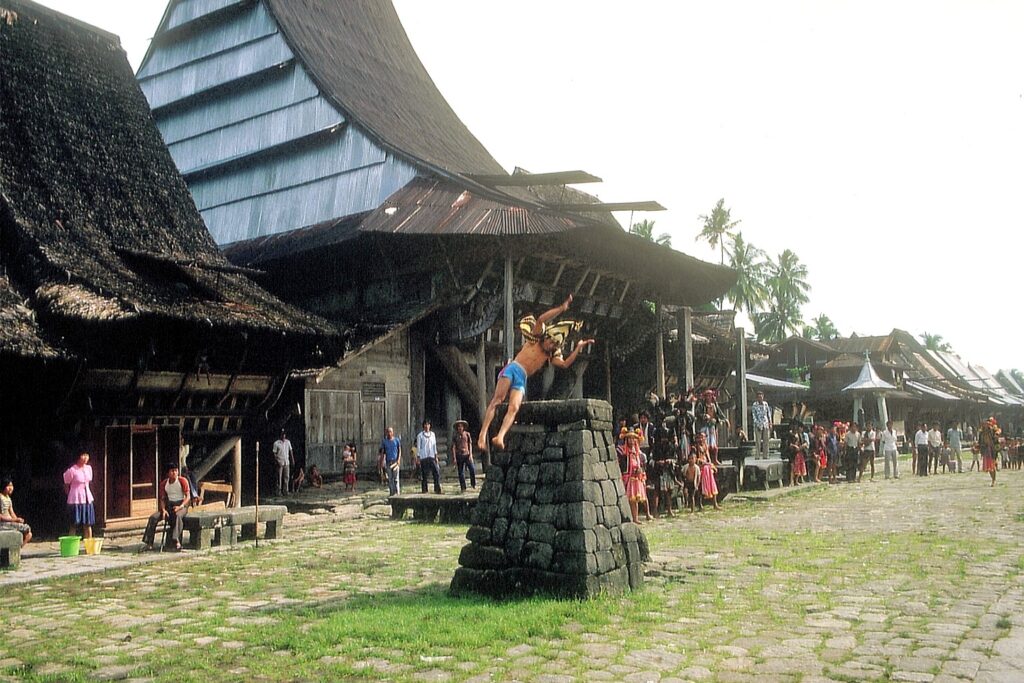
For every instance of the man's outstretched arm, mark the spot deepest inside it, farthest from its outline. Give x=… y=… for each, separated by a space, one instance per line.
x=571 y=358
x=551 y=313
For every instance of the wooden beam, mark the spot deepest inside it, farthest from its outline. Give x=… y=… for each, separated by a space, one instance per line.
x=535 y=179
x=609 y=206
x=659 y=352
x=597 y=279
x=583 y=279
x=558 y=276
x=215 y=457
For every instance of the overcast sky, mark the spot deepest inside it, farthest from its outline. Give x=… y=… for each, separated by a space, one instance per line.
x=883 y=142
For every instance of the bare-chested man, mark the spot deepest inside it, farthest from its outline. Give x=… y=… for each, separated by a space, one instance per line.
x=542 y=344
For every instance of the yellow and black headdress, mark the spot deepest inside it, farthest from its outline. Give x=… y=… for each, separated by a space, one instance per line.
x=558 y=332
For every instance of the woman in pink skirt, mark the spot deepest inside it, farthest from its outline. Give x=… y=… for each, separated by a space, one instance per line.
x=708 y=485
x=634 y=478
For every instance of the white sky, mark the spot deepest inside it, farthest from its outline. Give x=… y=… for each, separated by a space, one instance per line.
x=882 y=141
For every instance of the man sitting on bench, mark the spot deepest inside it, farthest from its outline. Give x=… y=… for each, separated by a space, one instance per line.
x=174 y=497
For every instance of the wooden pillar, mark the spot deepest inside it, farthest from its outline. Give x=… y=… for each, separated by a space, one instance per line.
x=481 y=377
x=684 y=320
x=741 y=380
x=858 y=405
x=417 y=381
x=579 y=367
x=236 y=474
x=608 y=372
x=659 y=352
x=510 y=335
x=883 y=410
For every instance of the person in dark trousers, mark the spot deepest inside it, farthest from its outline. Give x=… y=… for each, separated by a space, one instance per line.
x=174 y=497
x=426 y=455
x=462 y=450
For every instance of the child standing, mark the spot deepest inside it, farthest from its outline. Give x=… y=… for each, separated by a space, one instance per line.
x=634 y=477
x=708 y=485
x=692 y=497
x=348 y=467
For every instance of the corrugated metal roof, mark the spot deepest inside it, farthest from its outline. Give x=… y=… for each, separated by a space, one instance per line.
x=774 y=383
x=928 y=391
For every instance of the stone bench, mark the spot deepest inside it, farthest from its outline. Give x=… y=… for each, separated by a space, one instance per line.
x=208 y=527
x=227 y=526
x=246 y=525
x=761 y=473
x=431 y=507
x=10 y=548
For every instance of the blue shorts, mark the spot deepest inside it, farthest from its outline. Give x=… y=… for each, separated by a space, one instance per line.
x=516 y=374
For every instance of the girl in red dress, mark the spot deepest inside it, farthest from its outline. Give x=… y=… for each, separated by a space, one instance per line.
x=634 y=478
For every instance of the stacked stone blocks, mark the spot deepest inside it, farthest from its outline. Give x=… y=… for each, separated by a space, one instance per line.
x=552 y=516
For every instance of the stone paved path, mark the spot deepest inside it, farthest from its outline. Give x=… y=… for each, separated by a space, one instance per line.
x=909 y=580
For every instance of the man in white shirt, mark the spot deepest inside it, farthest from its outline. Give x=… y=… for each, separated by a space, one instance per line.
x=284 y=458
x=426 y=455
x=921 y=450
x=954 y=437
x=761 y=420
x=890 y=454
x=867 y=454
x=934 y=447
x=852 y=456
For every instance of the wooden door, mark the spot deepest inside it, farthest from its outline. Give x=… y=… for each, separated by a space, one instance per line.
x=117 y=463
x=371 y=419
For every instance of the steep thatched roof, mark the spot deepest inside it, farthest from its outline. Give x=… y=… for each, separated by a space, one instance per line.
x=97 y=225
x=20 y=334
x=361 y=57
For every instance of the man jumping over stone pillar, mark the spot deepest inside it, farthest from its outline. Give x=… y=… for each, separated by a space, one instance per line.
x=542 y=343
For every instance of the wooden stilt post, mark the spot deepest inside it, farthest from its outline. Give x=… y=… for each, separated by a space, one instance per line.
x=684 y=319
x=257 y=494
x=741 y=398
x=236 y=474
x=659 y=352
x=608 y=372
x=510 y=334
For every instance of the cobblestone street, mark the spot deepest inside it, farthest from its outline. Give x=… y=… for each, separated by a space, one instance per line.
x=909 y=580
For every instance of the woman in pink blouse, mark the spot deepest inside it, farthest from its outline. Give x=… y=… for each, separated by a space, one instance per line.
x=80 y=500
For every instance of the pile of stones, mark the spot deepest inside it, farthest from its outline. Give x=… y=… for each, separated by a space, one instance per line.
x=552 y=516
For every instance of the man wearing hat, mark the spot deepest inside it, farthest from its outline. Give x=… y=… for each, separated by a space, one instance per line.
x=542 y=343
x=462 y=450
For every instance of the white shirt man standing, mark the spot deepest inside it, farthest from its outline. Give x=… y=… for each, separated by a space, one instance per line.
x=954 y=437
x=890 y=454
x=285 y=459
x=426 y=454
x=761 y=421
x=934 y=446
x=921 y=450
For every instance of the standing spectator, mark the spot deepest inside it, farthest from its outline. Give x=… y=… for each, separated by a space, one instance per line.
x=890 y=454
x=832 y=442
x=954 y=437
x=921 y=446
x=646 y=430
x=709 y=416
x=761 y=423
x=9 y=519
x=851 y=459
x=934 y=446
x=988 y=446
x=634 y=476
x=868 y=451
x=391 y=459
x=80 y=498
x=426 y=454
x=970 y=434
x=284 y=458
x=348 y=468
x=173 y=497
x=462 y=450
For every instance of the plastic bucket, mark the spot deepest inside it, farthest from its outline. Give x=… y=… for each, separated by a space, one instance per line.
x=93 y=546
x=70 y=545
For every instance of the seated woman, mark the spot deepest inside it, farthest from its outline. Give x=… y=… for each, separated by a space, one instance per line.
x=8 y=518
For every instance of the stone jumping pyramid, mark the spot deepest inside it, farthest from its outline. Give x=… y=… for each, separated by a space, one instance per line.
x=552 y=516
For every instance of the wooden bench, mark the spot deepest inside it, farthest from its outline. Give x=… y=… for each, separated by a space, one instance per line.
x=431 y=507
x=760 y=473
x=220 y=488
x=10 y=548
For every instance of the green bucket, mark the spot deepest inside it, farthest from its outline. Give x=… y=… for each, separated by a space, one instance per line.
x=70 y=545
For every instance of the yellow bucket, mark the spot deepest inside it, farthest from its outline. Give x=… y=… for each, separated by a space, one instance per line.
x=93 y=546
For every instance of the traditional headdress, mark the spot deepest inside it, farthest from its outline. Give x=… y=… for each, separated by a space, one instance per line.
x=557 y=332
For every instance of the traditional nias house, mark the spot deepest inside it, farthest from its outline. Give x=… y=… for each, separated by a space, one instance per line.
x=125 y=332
x=318 y=150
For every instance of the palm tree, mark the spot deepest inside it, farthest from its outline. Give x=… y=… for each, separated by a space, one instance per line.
x=824 y=329
x=933 y=342
x=645 y=229
x=789 y=277
x=717 y=226
x=780 y=320
x=750 y=264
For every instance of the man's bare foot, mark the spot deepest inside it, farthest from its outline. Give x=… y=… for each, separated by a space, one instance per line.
x=498 y=442
x=481 y=443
